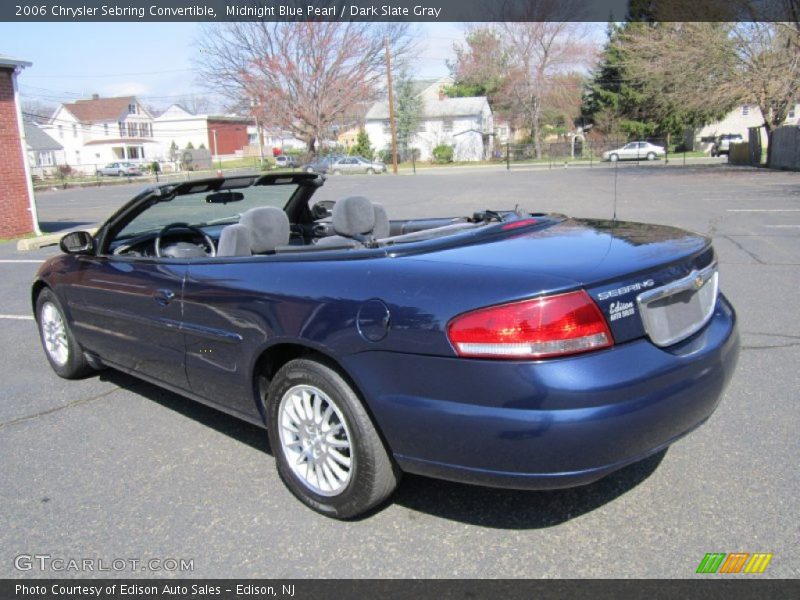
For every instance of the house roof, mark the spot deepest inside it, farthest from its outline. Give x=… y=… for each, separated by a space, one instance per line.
x=100 y=109
x=10 y=61
x=435 y=108
x=37 y=140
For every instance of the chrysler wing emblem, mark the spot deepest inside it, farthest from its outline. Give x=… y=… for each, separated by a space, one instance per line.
x=698 y=282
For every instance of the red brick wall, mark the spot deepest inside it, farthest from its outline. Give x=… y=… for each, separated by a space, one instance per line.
x=231 y=136
x=15 y=216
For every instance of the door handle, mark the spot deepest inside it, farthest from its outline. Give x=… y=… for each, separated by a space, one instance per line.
x=163 y=297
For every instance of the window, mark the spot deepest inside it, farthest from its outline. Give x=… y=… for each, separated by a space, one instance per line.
x=131 y=129
x=121 y=129
x=791 y=114
x=74 y=130
x=745 y=110
x=447 y=125
x=132 y=109
x=105 y=129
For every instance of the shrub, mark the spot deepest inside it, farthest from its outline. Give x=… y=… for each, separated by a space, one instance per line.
x=443 y=153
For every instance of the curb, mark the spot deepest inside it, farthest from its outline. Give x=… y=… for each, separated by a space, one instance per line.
x=50 y=239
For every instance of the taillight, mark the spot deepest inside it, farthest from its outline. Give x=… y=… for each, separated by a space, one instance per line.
x=539 y=328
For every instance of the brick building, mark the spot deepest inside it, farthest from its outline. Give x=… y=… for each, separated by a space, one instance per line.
x=17 y=206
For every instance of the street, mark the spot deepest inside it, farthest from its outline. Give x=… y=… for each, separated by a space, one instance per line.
x=111 y=467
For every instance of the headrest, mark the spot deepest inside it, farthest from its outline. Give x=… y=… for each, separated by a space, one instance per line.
x=269 y=227
x=381 y=229
x=353 y=216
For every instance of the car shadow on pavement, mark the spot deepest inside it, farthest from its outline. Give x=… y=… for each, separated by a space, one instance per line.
x=518 y=509
x=487 y=507
x=247 y=433
x=56 y=226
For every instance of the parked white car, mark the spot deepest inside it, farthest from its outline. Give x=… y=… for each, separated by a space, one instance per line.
x=356 y=164
x=120 y=169
x=635 y=151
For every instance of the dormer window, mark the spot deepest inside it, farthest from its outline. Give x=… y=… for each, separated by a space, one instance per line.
x=132 y=109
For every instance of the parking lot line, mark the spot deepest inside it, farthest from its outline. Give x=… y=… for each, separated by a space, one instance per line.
x=783 y=226
x=764 y=210
x=17 y=317
x=21 y=260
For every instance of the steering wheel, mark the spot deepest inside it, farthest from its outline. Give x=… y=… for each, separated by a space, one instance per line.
x=185 y=226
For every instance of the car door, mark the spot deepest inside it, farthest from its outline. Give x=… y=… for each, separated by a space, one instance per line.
x=128 y=311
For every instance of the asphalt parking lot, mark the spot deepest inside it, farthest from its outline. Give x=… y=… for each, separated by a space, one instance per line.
x=110 y=467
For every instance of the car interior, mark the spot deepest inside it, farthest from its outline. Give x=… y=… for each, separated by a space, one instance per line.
x=301 y=226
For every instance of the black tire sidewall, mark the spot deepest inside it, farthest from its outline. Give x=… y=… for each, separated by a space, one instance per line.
x=76 y=365
x=357 y=496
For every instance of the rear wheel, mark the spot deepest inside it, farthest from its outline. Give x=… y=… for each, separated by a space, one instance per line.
x=60 y=347
x=651 y=156
x=327 y=450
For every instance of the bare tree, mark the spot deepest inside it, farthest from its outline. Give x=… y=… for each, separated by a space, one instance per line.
x=37 y=111
x=716 y=66
x=301 y=77
x=540 y=55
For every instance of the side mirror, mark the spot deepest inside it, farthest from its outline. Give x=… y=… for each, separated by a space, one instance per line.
x=77 y=242
x=322 y=209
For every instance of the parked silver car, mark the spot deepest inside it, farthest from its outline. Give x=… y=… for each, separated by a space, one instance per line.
x=635 y=151
x=356 y=164
x=120 y=169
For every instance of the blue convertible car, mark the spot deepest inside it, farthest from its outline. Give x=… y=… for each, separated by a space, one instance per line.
x=503 y=349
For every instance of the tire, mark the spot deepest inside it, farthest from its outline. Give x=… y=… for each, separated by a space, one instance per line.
x=309 y=170
x=370 y=171
x=360 y=473
x=121 y=174
x=63 y=352
x=337 y=172
x=651 y=156
x=714 y=153
x=614 y=157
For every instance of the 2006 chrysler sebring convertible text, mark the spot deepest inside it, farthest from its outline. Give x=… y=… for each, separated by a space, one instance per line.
x=504 y=349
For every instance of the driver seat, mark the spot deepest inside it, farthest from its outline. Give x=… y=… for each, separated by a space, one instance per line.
x=258 y=231
x=353 y=221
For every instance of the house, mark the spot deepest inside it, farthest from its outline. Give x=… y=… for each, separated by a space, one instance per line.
x=463 y=123
x=222 y=135
x=44 y=153
x=275 y=141
x=98 y=130
x=739 y=120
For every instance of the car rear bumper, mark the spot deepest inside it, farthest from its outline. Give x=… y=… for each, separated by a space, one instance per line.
x=546 y=424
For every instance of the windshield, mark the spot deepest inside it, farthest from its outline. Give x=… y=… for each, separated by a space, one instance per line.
x=195 y=210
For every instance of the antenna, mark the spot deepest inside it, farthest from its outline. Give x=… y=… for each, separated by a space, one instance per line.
x=616 y=167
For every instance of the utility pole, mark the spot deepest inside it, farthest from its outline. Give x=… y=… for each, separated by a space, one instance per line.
x=391 y=107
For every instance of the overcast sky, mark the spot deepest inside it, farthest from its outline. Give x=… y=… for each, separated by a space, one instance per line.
x=150 y=60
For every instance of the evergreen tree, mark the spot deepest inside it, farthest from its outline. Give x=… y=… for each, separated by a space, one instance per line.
x=408 y=109
x=362 y=147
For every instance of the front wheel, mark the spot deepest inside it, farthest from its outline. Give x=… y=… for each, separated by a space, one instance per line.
x=309 y=170
x=614 y=157
x=327 y=450
x=337 y=172
x=370 y=171
x=60 y=347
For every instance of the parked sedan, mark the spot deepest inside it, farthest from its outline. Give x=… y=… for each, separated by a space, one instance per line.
x=635 y=151
x=356 y=164
x=320 y=164
x=499 y=348
x=120 y=169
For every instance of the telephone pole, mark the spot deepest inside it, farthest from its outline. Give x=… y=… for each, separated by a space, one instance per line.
x=391 y=107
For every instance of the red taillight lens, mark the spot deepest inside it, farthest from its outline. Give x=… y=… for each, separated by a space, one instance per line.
x=539 y=328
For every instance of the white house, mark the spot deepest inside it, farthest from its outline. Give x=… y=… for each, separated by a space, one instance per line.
x=44 y=153
x=464 y=123
x=739 y=120
x=99 y=130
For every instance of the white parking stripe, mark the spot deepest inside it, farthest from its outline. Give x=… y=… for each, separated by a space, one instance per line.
x=17 y=317
x=782 y=226
x=21 y=261
x=764 y=210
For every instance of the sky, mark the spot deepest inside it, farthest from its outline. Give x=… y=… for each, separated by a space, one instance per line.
x=150 y=60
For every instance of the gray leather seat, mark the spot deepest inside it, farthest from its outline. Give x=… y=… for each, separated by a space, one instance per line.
x=356 y=220
x=259 y=231
x=381 y=229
